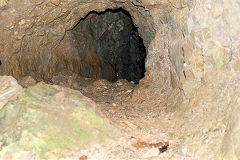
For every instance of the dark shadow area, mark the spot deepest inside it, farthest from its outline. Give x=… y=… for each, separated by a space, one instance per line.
x=109 y=46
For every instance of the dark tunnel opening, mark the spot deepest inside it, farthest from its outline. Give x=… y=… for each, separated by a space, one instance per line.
x=109 y=46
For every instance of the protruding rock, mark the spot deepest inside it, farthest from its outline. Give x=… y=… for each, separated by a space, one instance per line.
x=47 y=119
x=27 y=81
x=153 y=152
x=56 y=2
x=9 y=89
x=3 y=3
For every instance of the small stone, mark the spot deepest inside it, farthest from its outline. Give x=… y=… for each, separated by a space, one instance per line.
x=184 y=150
x=9 y=89
x=114 y=105
x=27 y=81
x=119 y=83
x=128 y=91
x=59 y=78
x=205 y=131
x=56 y=2
x=72 y=82
x=153 y=152
x=3 y=3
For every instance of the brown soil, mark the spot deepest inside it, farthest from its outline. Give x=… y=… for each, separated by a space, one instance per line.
x=114 y=101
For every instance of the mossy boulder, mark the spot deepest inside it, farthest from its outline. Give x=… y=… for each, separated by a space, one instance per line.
x=48 y=118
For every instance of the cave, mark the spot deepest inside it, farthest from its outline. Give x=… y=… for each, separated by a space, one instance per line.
x=119 y=79
x=109 y=46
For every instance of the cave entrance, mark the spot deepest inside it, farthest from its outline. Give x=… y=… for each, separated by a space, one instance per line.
x=109 y=46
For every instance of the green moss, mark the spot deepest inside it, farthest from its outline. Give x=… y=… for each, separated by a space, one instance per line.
x=89 y=117
x=44 y=126
x=215 y=52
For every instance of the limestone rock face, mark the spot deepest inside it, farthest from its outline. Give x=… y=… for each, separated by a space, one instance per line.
x=193 y=48
x=49 y=118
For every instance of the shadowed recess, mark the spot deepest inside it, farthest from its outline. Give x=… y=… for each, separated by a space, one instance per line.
x=109 y=46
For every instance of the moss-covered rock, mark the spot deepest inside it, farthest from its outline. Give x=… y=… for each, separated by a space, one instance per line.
x=49 y=118
x=9 y=89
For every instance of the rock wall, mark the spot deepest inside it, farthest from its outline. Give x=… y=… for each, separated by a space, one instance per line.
x=192 y=53
x=33 y=31
x=209 y=43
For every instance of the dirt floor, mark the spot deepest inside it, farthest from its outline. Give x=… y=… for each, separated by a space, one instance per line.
x=146 y=132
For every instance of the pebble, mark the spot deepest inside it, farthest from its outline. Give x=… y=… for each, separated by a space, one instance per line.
x=153 y=152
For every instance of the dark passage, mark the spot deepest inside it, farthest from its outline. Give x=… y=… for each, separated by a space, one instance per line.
x=109 y=46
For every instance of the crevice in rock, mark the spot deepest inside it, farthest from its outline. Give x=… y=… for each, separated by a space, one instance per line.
x=108 y=46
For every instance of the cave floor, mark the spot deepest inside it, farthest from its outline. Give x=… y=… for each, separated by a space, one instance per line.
x=145 y=131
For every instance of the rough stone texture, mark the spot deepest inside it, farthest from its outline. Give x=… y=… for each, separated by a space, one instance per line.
x=203 y=34
x=47 y=119
x=210 y=44
x=230 y=145
x=9 y=89
x=27 y=81
x=41 y=27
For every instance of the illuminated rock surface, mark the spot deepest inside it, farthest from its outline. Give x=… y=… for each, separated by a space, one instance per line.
x=190 y=93
x=50 y=119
